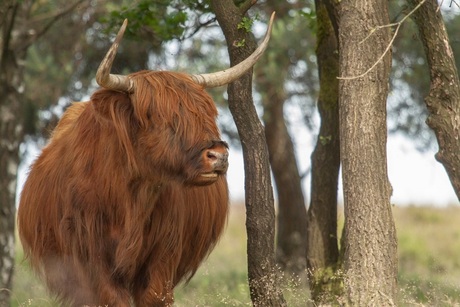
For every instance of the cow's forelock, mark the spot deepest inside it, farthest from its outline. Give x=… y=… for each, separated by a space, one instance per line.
x=178 y=121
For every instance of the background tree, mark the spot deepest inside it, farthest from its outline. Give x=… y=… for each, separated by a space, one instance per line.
x=370 y=257
x=21 y=24
x=410 y=82
x=12 y=52
x=260 y=211
x=443 y=100
x=17 y=34
x=323 y=250
x=270 y=74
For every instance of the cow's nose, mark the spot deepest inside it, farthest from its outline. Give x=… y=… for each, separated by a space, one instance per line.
x=217 y=159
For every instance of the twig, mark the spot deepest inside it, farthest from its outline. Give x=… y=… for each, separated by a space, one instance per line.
x=54 y=17
x=57 y=16
x=398 y=25
x=246 y=5
x=450 y=5
x=453 y=2
x=198 y=28
x=439 y=6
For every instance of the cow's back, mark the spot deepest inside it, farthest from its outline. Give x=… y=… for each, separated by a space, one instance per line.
x=39 y=212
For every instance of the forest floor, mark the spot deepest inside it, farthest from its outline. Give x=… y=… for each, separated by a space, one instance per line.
x=429 y=266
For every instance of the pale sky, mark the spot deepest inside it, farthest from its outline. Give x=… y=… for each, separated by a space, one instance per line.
x=417 y=178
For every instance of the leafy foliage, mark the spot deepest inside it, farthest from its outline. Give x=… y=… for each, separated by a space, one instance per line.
x=158 y=21
x=246 y=23
x=145 y=23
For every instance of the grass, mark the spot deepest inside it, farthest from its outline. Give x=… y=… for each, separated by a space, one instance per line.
x=429 y=266
x=429 y=255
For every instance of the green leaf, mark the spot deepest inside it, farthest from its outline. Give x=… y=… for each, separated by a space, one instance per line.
x=324 y=140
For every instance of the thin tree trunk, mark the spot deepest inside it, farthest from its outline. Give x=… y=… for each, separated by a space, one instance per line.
x=443 y=100
x=370 y=259
x=292 y=214
x=323 y=252
x=260 y=211
x=11 y=128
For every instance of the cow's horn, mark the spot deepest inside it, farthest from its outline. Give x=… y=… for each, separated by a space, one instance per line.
x=104 y=78
x=229 y=75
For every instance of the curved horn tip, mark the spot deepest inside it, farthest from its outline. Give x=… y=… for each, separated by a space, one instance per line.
x=103 y=76
x=125 y=23
x=272 y=17
x=231 y=74
x=122 y=30
x=270 y=24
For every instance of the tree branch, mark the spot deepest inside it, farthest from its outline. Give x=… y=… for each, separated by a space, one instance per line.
x=54 y=17
x=199 y=27
x=398 y=25
x=443 y=100
x=8 y=19
x=246 y=5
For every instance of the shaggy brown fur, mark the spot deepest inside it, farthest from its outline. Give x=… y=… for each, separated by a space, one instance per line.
x=114 y=210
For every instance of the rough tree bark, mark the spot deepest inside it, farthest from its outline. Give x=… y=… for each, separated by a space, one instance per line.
x=443 y=100
x=260 y=211
x=12 y=57
x=323 y=251
x=17 y=34
x=370 y=258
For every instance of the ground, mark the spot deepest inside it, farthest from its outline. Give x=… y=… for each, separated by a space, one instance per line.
x=429 y=265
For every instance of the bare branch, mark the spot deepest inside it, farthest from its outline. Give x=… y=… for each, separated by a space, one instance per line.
x=439 y=6
x=398 y=25
x=454 y=2
x=199 y=27
x=246 y=5
x=54 y=17
x=8 y=20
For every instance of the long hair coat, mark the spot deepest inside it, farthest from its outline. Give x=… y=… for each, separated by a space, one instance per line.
x=113 y=210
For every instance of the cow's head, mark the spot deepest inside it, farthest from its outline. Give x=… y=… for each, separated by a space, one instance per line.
x=176 y=136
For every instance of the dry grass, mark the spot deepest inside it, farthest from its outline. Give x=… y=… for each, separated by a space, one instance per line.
x=429 y=266
x=429 y=255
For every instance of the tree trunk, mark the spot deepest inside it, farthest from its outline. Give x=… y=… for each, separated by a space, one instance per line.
x=370 y=258
x=292 y=214
x=323 y=252
x=11 y=135
x=260 y=211
x=443 y=100
x=291 y=235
